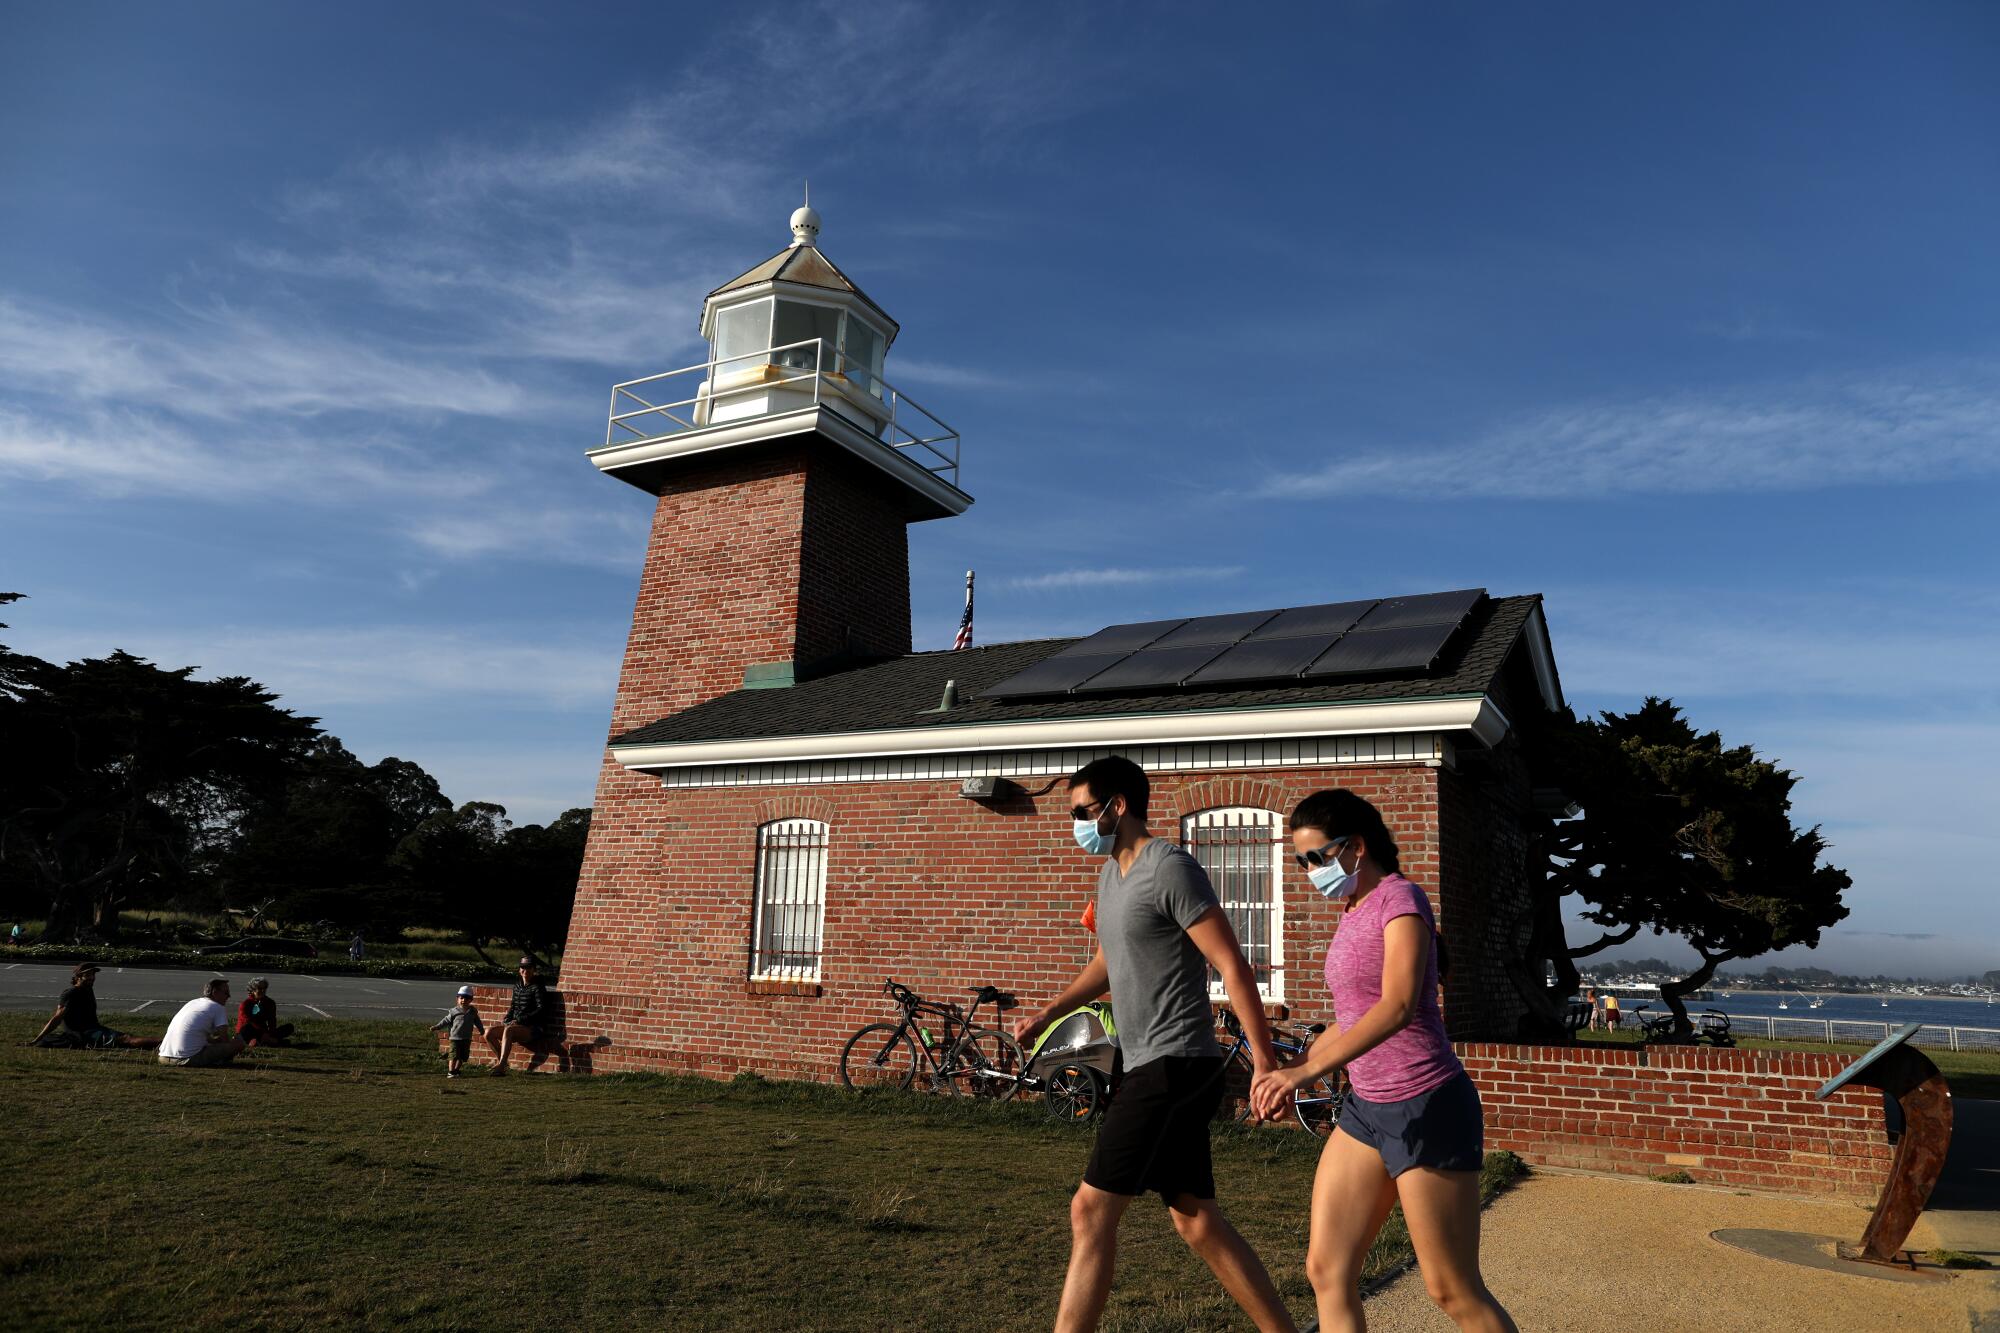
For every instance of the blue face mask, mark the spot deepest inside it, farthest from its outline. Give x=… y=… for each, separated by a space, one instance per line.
x=1091 y=840
x=1332 y=881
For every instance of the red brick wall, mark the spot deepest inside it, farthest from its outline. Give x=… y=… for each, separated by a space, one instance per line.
x=1743 y=1118
x=1484 y=891
x=760 y=559
x=923 y=885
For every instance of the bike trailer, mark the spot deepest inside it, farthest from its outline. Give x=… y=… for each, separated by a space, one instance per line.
x=1086 y=1035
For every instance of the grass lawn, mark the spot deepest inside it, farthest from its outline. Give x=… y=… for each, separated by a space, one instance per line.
x=1974 y=1074
x=349 y=1183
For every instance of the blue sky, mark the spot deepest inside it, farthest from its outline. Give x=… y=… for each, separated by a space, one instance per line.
x=1681 y=316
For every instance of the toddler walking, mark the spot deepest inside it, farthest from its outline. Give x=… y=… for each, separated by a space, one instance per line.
x=459 y=1023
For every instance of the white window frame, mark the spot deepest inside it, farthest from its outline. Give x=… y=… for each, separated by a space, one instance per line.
x=1244 y=816
x=789 y=899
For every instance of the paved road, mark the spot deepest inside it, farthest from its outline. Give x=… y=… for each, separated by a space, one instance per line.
x=131 y=990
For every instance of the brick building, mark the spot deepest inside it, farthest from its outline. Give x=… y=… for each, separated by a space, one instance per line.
x=786 y=813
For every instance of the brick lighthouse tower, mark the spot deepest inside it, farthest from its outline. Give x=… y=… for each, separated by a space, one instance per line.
x=787 y=470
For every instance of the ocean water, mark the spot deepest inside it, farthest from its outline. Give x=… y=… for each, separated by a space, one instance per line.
x=1850 y=1018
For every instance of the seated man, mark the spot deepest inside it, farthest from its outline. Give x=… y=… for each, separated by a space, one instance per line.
x=257 y=1018
x=527 y=1010
x=76 y=1010
x=199 y=1034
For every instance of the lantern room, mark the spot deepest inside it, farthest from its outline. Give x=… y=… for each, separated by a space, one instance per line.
x=795 y=348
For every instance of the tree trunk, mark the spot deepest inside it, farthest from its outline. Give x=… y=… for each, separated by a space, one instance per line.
x=479 y=947
x=1674 y=990
x=1546 y=1001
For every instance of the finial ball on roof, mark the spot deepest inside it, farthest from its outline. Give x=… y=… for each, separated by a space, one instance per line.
x=805 y=225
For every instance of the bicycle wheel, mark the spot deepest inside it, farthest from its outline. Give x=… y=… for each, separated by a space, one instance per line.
x=1074 y=1094
x=881 y=1055
x=1317 y=1105
x=987 y=1064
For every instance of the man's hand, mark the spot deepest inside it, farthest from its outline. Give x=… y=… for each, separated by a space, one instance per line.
x=1028 y=1025
x=1271 y=1092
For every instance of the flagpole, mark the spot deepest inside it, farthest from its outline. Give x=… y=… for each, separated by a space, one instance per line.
x=964 y=639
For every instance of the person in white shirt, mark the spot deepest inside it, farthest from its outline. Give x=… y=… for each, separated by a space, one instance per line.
x=200 y=1033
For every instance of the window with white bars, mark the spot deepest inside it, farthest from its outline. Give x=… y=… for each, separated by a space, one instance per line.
x=791 y=901
x=1244 y=852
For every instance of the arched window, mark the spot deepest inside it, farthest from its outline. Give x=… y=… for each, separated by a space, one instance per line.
x=1243 y=850
x=791 y=901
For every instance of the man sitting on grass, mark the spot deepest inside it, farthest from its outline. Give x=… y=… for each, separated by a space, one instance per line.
x=76 y=1010
x=527 y=1010
x=199 y=1034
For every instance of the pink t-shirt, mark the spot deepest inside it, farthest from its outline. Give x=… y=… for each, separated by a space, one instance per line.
x=1417 y=1058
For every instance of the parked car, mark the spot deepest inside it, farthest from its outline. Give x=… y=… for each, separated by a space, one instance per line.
x=267 y=944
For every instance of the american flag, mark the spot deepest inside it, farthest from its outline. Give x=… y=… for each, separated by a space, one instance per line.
x=964 y=639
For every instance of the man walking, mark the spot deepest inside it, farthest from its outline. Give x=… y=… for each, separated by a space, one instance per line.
x=1159 y=930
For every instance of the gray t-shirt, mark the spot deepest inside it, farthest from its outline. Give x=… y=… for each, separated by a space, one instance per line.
x=1159 y=980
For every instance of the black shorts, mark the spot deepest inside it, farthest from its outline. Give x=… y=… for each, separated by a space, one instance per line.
x=1444 y=1129
x=461 y=1050
x=1155 y=1134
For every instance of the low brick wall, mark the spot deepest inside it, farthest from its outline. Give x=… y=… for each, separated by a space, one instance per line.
x=1726 y=1117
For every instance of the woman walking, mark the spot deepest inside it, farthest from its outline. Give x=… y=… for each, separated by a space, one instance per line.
x=1412 y=1130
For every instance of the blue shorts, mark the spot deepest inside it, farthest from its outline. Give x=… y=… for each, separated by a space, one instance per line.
x=1443 y=1129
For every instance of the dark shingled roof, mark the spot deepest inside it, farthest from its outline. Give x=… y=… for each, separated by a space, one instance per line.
x=900 y=692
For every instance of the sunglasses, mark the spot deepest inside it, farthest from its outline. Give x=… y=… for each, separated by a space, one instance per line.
x=1319 y=856
x=1082 y=812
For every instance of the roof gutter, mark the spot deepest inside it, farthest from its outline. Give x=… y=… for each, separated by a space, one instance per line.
x=1478 y=716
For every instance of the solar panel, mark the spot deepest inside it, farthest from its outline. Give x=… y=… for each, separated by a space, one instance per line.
x=1330 y=618
x=1154 y=668
x=1302 y=642
x=1213 y=629
x=1123 y=638
x=1432 y=608
x=1410 y=648
x=1264 y=659
x=1055 y=675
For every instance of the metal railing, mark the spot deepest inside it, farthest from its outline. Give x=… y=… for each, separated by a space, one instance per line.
x=863 y=393
x=1934 y=1035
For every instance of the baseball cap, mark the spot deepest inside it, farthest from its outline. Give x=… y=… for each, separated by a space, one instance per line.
x=465 y=991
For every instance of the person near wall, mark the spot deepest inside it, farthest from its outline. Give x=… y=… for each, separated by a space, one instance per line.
x=458 y=1025
x=527 y=1013
x=1412 y=1130
x=76 y=1014
x=1596 y=1014
x=199 y=1035
x=1612 y=1017
x=1159 y=931
x=257 y=1018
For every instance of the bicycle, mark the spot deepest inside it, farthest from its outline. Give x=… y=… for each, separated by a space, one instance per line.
x=1316 y=1103
x=961 y=1058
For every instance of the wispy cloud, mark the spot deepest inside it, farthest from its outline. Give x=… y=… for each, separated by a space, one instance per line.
x=318 y=669
x=1124 y=578
x=1916 y=648
x=1888 y=429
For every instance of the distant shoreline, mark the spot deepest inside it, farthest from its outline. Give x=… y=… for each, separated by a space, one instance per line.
x=1855 y=994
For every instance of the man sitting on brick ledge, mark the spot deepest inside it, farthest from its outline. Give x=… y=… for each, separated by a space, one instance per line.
x=527 y=1011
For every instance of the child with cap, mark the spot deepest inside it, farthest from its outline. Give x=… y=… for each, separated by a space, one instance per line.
x=459 y=1023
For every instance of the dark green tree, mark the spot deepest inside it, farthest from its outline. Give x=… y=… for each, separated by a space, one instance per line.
x=1679 y=835
x=124 y=779
x=322 y=845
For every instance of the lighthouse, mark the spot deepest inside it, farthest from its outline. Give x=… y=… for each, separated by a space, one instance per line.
x=794 y=805
x=787 y=467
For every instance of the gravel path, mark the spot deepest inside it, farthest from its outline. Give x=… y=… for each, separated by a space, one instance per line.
x=1544 y=1251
